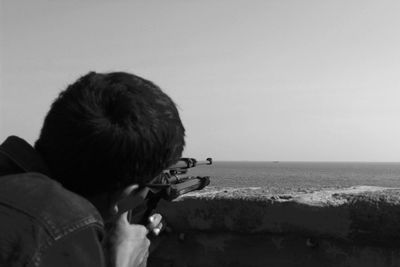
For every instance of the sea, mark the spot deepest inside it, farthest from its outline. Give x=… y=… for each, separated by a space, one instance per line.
x=300 y=176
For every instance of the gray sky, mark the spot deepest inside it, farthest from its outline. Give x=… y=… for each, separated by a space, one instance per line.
x=254 y=80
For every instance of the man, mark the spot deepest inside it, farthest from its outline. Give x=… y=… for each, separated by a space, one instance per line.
x=105 y=136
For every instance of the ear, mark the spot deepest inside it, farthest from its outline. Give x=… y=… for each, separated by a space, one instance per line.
x=124 y=193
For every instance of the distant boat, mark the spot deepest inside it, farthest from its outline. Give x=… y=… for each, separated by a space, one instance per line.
x=275 y=161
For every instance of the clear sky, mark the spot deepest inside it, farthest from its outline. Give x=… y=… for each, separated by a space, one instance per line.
x=310 y=80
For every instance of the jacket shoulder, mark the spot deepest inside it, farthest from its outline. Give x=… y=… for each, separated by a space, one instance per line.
x=57 y=209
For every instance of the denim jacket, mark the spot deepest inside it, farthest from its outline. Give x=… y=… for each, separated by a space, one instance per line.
x=42 y=223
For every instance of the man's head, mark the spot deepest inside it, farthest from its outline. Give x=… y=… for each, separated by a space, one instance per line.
x=107 y=131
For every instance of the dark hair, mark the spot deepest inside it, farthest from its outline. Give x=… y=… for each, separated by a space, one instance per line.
x=107 y=131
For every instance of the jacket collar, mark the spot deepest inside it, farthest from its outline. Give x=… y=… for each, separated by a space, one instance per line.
x=23 y=155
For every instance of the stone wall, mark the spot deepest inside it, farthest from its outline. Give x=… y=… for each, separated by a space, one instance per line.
x=358 y=226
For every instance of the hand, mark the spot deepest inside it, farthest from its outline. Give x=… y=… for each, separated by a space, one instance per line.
x=128 y=244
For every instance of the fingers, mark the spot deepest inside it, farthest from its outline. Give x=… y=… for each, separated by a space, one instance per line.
x=155 y=224
x=154 y=227
x=154 y=220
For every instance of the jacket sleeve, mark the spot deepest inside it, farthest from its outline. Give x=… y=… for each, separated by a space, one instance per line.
x=80 y=248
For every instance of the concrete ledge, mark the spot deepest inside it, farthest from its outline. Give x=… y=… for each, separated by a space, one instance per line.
x=358 y=226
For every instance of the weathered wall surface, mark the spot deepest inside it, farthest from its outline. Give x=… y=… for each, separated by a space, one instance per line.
x=357 y=226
